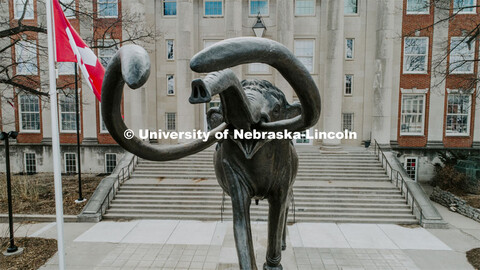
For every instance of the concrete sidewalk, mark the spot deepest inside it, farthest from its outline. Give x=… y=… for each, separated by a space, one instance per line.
x=162 y=244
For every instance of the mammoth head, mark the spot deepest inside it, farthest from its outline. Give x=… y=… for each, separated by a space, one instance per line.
x=250 y=104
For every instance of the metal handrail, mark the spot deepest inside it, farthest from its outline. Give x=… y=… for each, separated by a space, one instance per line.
x=404 y=189
x=121 y=178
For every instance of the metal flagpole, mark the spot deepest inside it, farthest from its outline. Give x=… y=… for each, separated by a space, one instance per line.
x=57 y=175
x=80 y=196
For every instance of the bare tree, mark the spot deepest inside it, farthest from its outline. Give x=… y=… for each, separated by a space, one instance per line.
x=24 y=38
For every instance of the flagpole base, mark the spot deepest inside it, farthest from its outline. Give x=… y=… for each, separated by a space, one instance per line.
x=18 y=251
x=80 y=200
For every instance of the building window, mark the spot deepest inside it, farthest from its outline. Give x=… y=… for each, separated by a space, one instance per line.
x=30 y=163
x=413 y=106
x=29 y=111
x=26 y=58
x=107 y=8
x=304 y=50
x=349 y=48
x=258 y=7
x=170 y=121
x=258 y=68
x=348 y=84
x=110 y=162
x=103 y=127
x=68 y=7
x=107 y=50
x=304 y=7
x=464 y=6
x=351 y=7
x=347 y=121
x=213 y=7
x=169 y=7
x=458 y=114
x=170 y=85
x=411 y=164
x=170 y=54
x=415 y=55
x=418 y=6
x=66 y=68
x=70 y=162
x=68 y=115
x=462 y=55
x=20 y=8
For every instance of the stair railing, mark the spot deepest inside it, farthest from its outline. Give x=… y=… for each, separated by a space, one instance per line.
x=123 y=175
x=398 y=179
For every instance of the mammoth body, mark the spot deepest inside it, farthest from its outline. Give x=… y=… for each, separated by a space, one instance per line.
x=245 y=169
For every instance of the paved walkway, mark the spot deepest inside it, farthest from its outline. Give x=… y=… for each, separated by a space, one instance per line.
x=153 y=244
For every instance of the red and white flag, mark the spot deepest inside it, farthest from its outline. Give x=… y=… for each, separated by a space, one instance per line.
x=70 y=47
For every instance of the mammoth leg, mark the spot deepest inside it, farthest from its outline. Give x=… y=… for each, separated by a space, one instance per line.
x=284 y=234
x=276 y=227
x=242 y=231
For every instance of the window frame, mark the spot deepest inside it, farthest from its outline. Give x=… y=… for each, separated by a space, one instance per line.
x=163 y=8
x=472 y=63
x=422 y=133
x=17 y=16
x=418 y=12
x=306 y=15
x=254 y=15
x=345 y=85
x=74 y=9
x=405 y=164
x=352 y=14
x=167 y=79
x=459 y=11
x=469 y=115
x=20 y=122
x=313 y=52
x=25 y=165
x=266 y=72
x=167 y=121
x=65 y=162
x=167 y=51
x=353 y=49
x=101 y=51
x=26 y=44
x=106 y=162
x=70 y=95
x=351 y=122
x=213 y=16
x=100 y=120
x=107 y=2
x=427 y=45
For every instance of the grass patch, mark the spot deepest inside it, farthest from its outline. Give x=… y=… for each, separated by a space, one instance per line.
x=35 y=194
x=36 y=252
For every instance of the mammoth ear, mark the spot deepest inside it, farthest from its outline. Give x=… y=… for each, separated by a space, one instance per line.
x=214 y=117
x=293 y=110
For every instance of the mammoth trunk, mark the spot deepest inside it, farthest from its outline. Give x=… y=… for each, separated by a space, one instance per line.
x=237 y=110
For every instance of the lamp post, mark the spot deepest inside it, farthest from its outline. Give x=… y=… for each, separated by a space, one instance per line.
x=259 y=28
x=12 y=249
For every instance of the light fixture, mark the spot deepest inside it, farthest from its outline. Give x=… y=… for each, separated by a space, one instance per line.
x=259 y=28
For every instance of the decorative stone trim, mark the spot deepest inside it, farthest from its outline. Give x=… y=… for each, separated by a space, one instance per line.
x=455 y=204
x=414 y=91
x=458 y=91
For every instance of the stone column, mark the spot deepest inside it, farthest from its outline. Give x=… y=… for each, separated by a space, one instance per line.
x=184 y=51
x=333 y=94
x=382 y=83
x=233 y=24
x=437 y=83
x=285 y=24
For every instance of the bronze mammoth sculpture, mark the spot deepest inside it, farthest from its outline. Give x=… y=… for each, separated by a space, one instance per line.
x=245 y=169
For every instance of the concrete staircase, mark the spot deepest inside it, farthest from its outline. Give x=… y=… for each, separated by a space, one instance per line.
x=347 y=186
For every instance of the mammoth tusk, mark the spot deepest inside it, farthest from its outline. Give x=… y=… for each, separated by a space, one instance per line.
x=131 y=65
